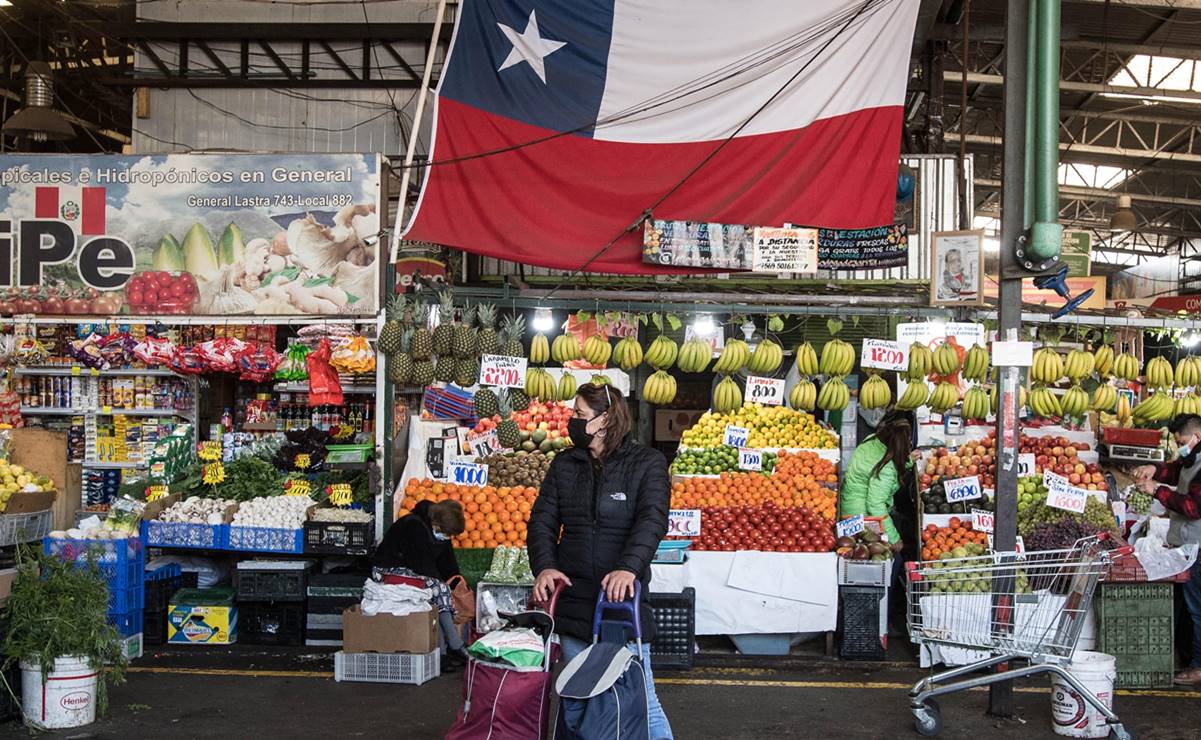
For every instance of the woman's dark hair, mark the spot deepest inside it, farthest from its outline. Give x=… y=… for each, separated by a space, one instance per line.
x=896 y=434
x=448 y=517
x=605 y=398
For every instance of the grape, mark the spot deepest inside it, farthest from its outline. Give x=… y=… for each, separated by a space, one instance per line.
x=1139 y=502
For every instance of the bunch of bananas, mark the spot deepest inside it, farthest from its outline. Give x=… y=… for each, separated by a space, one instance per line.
x=1156 y=407
x=875 y=393
x=838 y=359
x=1103 y=360
x=1078 y=364
x=727 y=396
x=1159 y=373
x=1122 y=411
x=975 y=404
x=1075 y=401
x=659 y=388
x=597 y=350
x=628 y=353
x=599 y=379
x=662 y=353
x=946 y=360
x=975 y=363
x=992 y=398
x=766 y=358
x=539 y=384
x=1188 y=372
x=567 y=386
x=834 y=395
x=565 y=348
x=806 y=360
x=1189 y=404
x=539 y=349
x=921 y=361
x=1104 y=398
x=914 y=396
x=945 y=396
x=1047 y=367
x=1045 y=403
x=803 y=396
x=1125 y=366
x=733 y=356
x=694 y=356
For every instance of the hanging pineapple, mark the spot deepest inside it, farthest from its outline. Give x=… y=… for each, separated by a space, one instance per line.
x=464 y=343
x=444 y=333
x=422 y=345
x=512 y=329
x=400 y=363
x=390 y=334
x=486 y=403
x=487 y=339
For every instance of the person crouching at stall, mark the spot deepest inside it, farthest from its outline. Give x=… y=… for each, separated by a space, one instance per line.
x=418 y=547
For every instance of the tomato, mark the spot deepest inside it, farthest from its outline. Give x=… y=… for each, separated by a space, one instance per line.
x=135 y=296
x=53 y=305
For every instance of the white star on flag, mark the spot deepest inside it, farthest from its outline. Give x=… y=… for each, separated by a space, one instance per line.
x=529 y=47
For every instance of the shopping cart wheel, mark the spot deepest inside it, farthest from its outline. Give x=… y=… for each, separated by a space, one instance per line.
x=927 y=719
x=1118 y=732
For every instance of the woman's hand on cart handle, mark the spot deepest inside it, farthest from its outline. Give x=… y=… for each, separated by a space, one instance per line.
x=544 y=586
x=618 y=585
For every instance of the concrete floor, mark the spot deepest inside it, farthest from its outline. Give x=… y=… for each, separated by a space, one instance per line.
x=245 y=692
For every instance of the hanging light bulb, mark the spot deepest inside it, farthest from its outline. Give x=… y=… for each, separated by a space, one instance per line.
x=38 y=120
x=543 y=321
x=703 y=326
x=1123 y=218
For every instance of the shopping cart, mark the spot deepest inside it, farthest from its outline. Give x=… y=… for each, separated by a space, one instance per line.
x=1016 y=607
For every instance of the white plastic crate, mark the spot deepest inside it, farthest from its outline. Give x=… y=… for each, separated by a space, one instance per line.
x=131 y=646
x=411 y=668
x=17 y=528
x=864 y=572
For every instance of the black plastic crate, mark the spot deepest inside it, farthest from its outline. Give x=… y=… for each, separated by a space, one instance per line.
x=271 y=585
x=674 y=645
x=154 y=627
x=271 y=623
x=339 y=538
x=859 y=614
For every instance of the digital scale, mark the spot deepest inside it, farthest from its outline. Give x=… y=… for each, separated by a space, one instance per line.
x=1135 y=453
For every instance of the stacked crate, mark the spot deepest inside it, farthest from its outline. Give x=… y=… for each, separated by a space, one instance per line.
x=329 y=596
x=122 y=563
x=271 y=601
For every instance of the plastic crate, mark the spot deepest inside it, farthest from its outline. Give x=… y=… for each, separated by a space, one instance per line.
x=154 y=627
x=1135 y=624
x=271 y=584
x=266 y=623
x=17 y=528
x=339 y=538
x=864 y=572
x=862 y=613
x=1127 y=569
x=265 y=539
x=121 y=600
x=120 y=561
x=1135 y=437
x=181 y=535
x=674 y=645
x=387 y=667
x=161 y=585
x=128 y=623
x=474 y=563
x=132 y=646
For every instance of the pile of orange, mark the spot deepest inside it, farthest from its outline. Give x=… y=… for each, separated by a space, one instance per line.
x=937 y=540
x=495 y=515
x=753 y=489
x=808 y=465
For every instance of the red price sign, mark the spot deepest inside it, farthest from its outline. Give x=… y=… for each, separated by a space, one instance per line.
x=503 y=372
x=982 y=521
x=883 y=355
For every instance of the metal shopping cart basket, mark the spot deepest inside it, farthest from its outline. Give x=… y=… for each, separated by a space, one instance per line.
x=1016 y=607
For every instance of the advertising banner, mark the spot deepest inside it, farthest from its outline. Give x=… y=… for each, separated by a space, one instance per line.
x=191 y=234
x=863 y=249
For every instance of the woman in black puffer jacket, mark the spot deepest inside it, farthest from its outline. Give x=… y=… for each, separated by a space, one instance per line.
x=599 y=517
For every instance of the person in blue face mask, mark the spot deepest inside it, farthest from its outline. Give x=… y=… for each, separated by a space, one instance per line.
x=418 y=548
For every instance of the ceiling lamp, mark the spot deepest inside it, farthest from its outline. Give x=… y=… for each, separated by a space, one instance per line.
x=1123 y=218
x=39 y=120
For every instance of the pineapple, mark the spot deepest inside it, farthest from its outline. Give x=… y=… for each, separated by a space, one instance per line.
x=489 y=343
x=507 y=432
x=444 y=369
x=400 y=364
x=444 y=333
x=467 y=372
x=423 y=344
x=423 y=372
x=486 y=405
x=512 y=330
x=464 y=340
x=389 y=335
x=518 y=399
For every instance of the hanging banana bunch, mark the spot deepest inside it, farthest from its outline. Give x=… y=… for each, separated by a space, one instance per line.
x=875 y=393
x=1074 y=402
x=838 y=359
x=727 y=396
x=659 y=388
x=915 y=396
x=834 y=395
x=567 y=386
x=565 y=348
x=1125 y=366
x=1187 y=375
x=1044 y=403
x=733 y=357
x=975 y=404
x=1104 y=398
x=1156 y=407
x=1122 y=411
x=945 y=395
x=766 y=358
x=1103 y=361
x=596 y=350
x=694 y=356
x=921 y=361
x=628 y=354
x=539 y=384
x=1078 y=364
x=539 y=349
x=662 y=353
x=1159 y=373
x=806 y=360
x=946 y=360
x=803 y=396
x=975 y=363
x=1047 y=367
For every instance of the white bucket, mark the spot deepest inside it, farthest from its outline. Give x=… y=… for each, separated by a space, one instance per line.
x=1071 y=714
x=66 y=699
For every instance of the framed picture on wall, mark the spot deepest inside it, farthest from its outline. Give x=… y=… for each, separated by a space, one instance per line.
x=957 y=268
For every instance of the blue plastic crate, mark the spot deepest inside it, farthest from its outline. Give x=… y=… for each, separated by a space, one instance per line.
x=127 y=623
x=126 y=599
x=178 y=534
x=122 y=562
x=265 y=539
x=164 y=572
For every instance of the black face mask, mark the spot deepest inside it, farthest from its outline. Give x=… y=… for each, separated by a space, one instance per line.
x=577 y=431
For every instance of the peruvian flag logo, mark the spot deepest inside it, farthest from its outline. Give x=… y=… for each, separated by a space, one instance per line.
x=83 y=208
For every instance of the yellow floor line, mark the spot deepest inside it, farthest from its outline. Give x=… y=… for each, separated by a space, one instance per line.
x=231 y=672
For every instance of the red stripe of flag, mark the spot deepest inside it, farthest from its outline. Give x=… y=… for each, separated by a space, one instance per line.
x=46 y=203
x=92 y=221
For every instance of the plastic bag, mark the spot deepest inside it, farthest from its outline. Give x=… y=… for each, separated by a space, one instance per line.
x=509 y=565
x=354 y=356
x=324 y=387
x=293 y=368
x=154 y=351
x=219 y=354
x=257 y=362
x=519 y=646
x=10 y=409
x=186 y=361
x=125 y=515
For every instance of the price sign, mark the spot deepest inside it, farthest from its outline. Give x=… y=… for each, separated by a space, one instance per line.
x=467 y=473
x=1025 y=464
x=75 y=369
x=1063 y=495
x=484 y=444
x=1019 y=547
x=767 y=391
x=503 y=372
x=298 y=487
x=850 y=527
x=302 y=461
x=212 y=474
x=340 y=494
x=735 y=436
x=156 y=491
x=684 y=523
x=982 y=521
x=883 y=355
x=209 y=450
x=963 y=489
x=749 y=459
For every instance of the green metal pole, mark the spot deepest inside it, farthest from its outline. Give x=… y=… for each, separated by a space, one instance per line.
x=1046 y=232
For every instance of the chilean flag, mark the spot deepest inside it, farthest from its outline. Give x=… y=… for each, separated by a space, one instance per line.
x=560 y=122
x=82 y=208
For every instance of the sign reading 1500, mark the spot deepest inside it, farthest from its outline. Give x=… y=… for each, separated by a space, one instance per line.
x=104 y=262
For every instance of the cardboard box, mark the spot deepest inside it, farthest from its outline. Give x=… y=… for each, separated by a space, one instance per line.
x=386 y=633
x=202 y=617
x=45 y=452
x=27 y=503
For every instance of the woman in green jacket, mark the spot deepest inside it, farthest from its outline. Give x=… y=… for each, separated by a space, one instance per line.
x=874 y=474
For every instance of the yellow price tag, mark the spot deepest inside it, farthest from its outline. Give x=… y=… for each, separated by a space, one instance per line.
x=209 y=450
x=213 y=473
x=106 y=409
x=302 y=461
x=95 y=372
x=156 y=491
x=75 y=370
x=298 y=487
x=340 y=494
